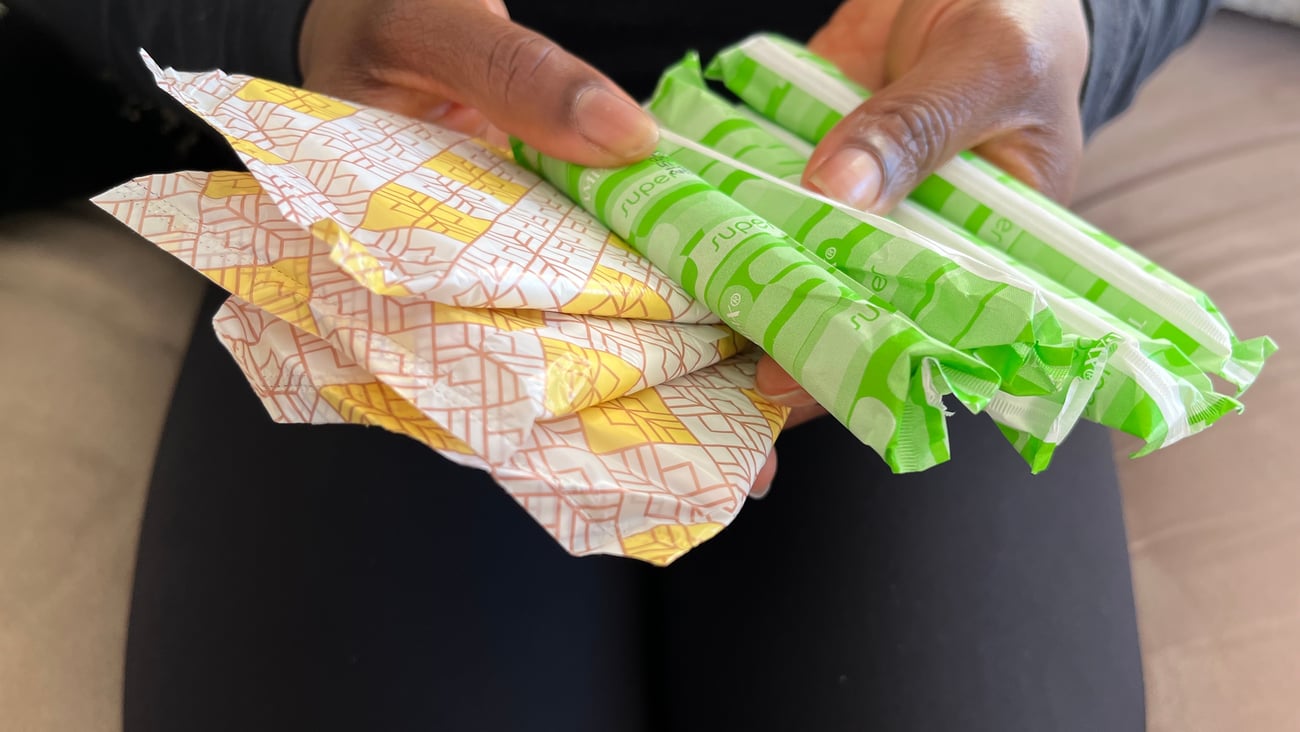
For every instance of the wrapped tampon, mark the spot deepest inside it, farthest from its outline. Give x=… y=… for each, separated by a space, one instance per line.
x=872 y=368
x=807 y=95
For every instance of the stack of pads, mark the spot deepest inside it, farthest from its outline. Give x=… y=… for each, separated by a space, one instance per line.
x=583 y=334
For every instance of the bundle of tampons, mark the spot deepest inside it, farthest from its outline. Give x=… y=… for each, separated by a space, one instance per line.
x=589 y=336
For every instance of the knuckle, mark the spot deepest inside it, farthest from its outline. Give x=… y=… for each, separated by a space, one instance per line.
x=1045 y=160
x=1011 y=54
x=1026 y=58
x=392 y=24
x=909 y=133
x=1033 y=61
x=516 y=59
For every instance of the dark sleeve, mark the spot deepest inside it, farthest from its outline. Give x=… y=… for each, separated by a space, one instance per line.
x=258 y=37
x=1130 y=39
x=83 y=114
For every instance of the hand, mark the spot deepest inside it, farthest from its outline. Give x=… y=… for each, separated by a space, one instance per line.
x=464 y=65
x=1001 y=77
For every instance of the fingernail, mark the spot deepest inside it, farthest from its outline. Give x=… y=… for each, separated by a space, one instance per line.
x=850 y=176
x=614 y=124
x=437 y=112
x=759 y=492
x=792 y=398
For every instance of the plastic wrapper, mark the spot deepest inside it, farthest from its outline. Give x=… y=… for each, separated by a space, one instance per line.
x=486 y=375
x=410 y=208
x=994 y=314
x=989 y=309
x=1148 y=388
x=807 y=96
x=1161 y=397
x=626 y=435
x=387 y=272
x=875 y=370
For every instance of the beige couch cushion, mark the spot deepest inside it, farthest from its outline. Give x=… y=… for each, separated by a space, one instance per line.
x=1204 y=177
x=94 y=323
x=1284 y=10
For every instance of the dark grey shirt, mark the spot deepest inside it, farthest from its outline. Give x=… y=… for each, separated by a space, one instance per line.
x=1130 y=39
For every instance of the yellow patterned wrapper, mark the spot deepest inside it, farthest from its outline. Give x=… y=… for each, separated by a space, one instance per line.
x=388 y=272
x=410 y=208
x=619 y=436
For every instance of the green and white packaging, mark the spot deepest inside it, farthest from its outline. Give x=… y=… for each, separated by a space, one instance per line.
x=960 y=301
x=807 y=96
x=982 y=289
x=991 y=312
x=684 y=104
x=1147 y=388
x=1045 y=384
x=872 y=368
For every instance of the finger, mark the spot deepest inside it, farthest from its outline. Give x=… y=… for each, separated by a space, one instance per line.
x=803 y=415
x=521 y=81
x=856 y=39
x=763 y=481
x=978 y=78
x=455 y=117
x=767 y=474
x=1045 y=159
x=779 y=386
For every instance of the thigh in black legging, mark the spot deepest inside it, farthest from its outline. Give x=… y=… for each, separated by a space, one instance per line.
x=971 y=597
x=322 y=578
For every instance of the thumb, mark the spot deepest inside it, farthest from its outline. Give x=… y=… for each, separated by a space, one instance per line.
x=529 y=87
x=960 y=94
x=464 y=64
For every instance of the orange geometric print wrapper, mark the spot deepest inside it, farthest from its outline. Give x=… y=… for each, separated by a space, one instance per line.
x=648 y=475
x=488 y=375
x=410 y=208
x=623 y=436
x=387 y=272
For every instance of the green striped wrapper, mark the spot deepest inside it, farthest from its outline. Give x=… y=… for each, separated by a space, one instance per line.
x=991 y=312
x=807 y=96
x=684 y=104
x=795 y=107
x=869 y=366
x=957 y=300
x=986 y=312
x=1148 y=388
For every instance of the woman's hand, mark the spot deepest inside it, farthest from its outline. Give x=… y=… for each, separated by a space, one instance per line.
x=1001 y=77
x=464 y=65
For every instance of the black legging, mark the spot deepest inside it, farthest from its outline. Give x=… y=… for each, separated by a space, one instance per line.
x=322 y=578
